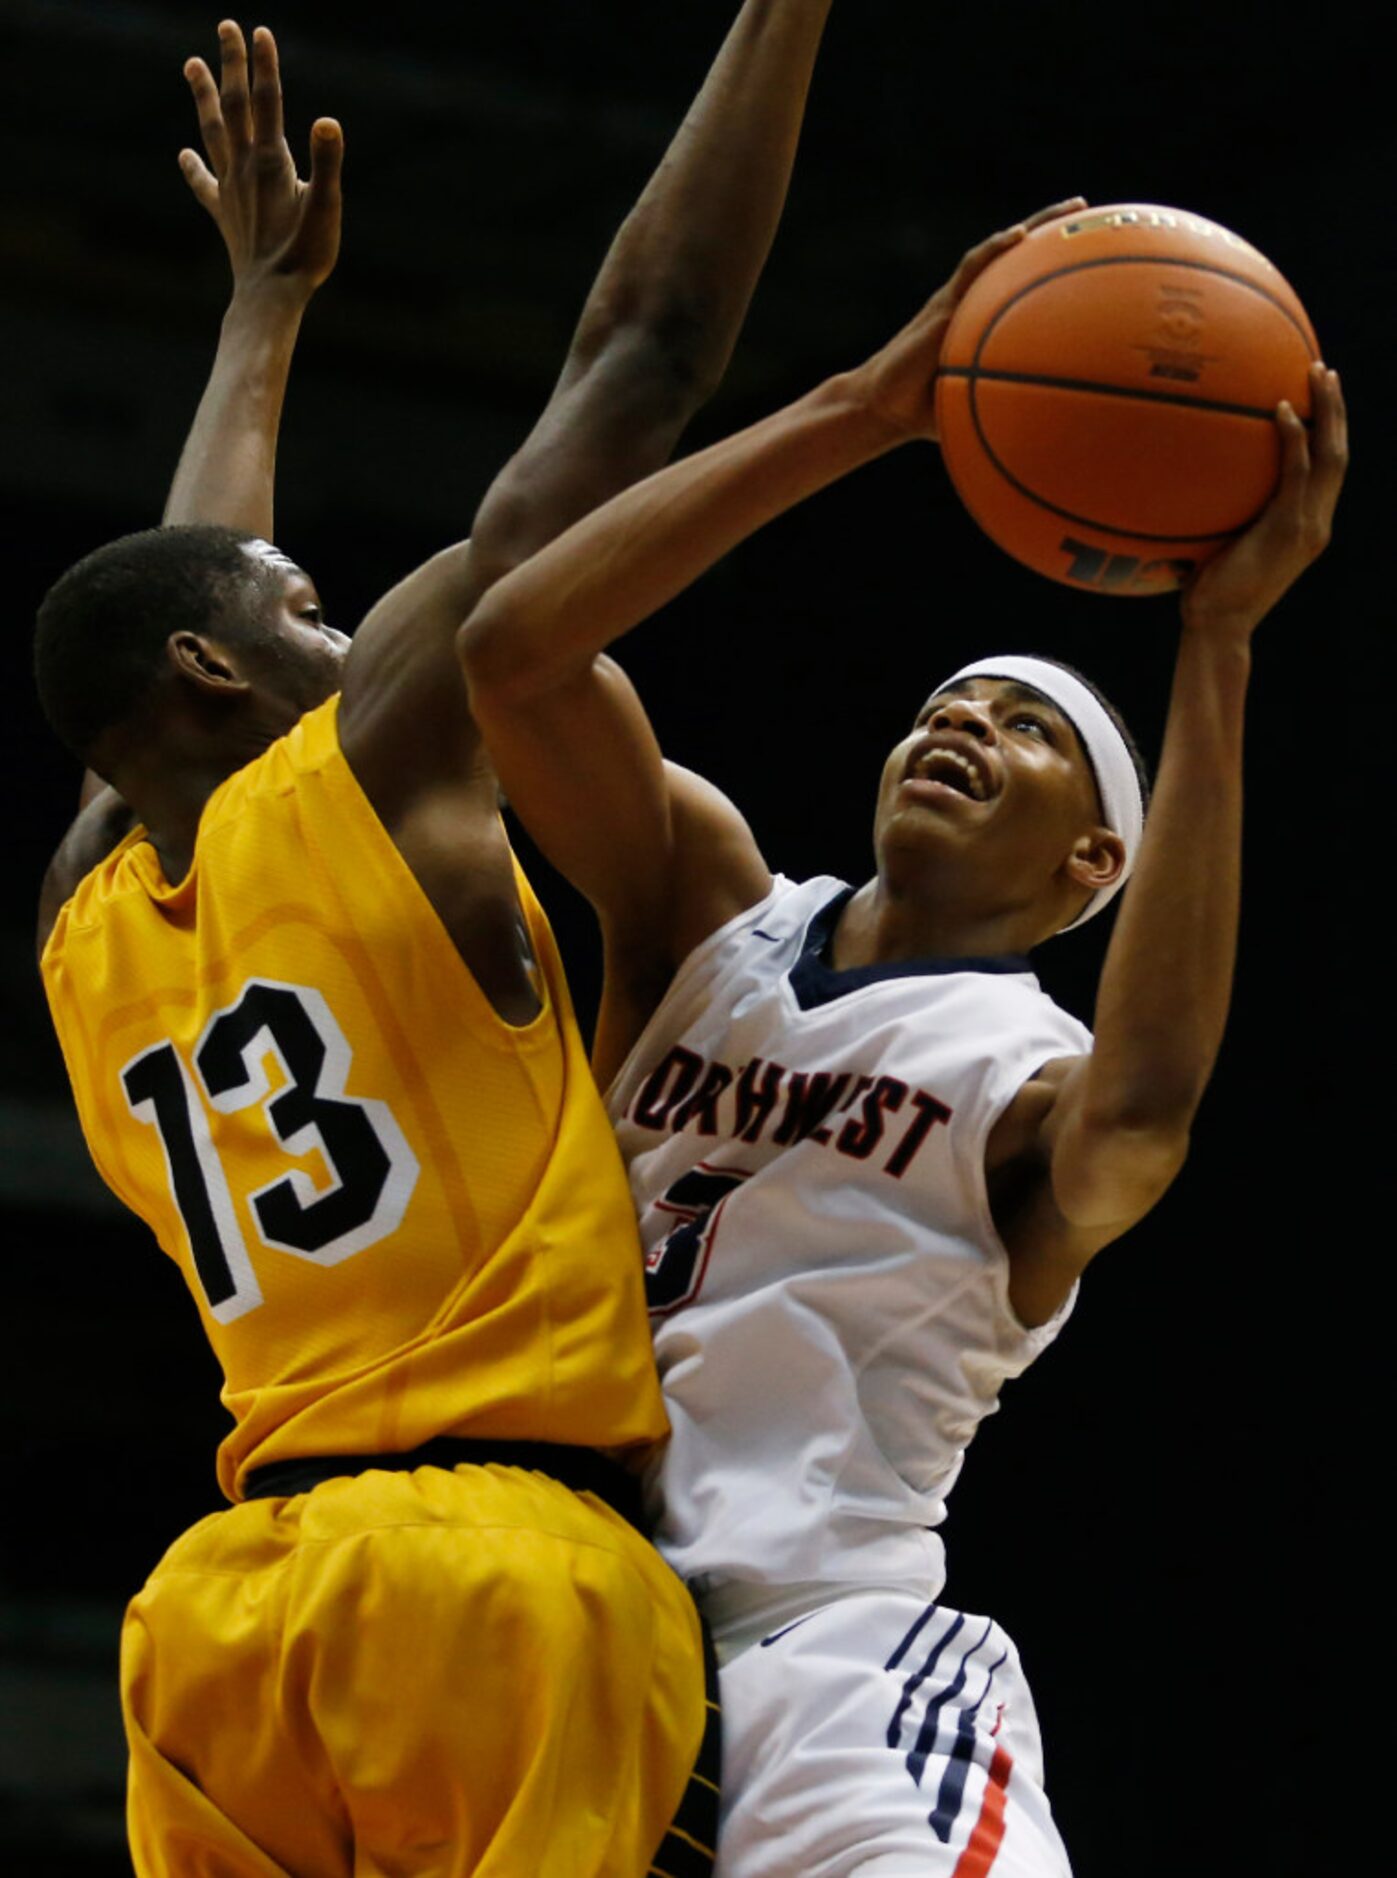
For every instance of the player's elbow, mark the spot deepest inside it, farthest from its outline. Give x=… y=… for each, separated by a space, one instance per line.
x=1106 y=1173
x=660 y=357
x=687 y=351
x=511 y=656
x=1154 y=1100
x=488 y=645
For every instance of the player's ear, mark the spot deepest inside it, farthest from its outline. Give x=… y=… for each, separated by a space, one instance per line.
x=1096 y=860
x=203 y=662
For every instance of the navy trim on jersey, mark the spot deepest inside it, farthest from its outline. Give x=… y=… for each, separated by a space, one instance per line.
x=912 y=1636
x=920 y=1751
x=915 y=1681
x=777 y=1635
x=967 y=1746
x=950 y=1795
x=815 y=981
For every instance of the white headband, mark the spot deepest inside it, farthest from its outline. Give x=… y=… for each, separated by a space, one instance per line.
x=1122 y=804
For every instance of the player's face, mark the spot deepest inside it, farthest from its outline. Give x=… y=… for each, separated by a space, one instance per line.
x=306 y=656
x=991 y=767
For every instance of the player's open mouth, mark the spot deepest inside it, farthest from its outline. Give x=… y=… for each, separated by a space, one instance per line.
x=953 y=770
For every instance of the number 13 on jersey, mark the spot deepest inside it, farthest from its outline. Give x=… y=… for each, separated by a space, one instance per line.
x=372 y=1170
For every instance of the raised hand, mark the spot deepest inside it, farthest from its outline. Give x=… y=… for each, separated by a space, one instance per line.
x=278 y=230
x=1234 y=591
x=898 y=382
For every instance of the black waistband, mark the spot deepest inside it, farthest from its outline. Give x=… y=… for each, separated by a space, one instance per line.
x=582 y=1469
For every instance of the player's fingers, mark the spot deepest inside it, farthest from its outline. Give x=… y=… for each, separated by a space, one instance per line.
x=266 y=91
x=326 y=164
x=233 y=93
x=1328 y=452
x=1288 y=521
x=1330 y=449
x=974 y=262
x=205 y=92
x=979 y=257
x=1069 y=206
x=200 y=179
x=1295 y=452
x=326 y=158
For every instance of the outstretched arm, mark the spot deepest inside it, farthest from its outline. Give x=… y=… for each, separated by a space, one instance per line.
x=1115 y=1125
x=654 y=338
x=663 y=316
x=282 y=237
x=663 y=858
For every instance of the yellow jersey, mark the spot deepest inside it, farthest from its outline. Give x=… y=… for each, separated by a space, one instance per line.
x=399 y=1215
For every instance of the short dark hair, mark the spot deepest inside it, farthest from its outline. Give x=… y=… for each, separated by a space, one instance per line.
x=102 y=627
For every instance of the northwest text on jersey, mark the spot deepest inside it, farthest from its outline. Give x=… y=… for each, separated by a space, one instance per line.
x=878 y=1118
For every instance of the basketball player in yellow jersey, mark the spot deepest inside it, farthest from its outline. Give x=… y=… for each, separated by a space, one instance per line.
x=319 y=1039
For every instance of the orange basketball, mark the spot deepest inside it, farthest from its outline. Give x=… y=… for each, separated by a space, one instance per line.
x=1107 y=392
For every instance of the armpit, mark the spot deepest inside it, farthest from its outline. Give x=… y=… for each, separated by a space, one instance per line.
x=106 y=821
x=1016 y=1134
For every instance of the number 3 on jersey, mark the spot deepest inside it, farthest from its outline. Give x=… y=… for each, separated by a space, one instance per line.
x=674 y=1268
x=372 y=1169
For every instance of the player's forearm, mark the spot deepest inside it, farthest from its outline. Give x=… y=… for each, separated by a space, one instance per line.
x=1167 y=981
x=687 y=259
x=227 y=470
x=553 y=614
x=663 y=315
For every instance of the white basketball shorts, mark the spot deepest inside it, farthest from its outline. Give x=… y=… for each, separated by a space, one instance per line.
x=880 y=1735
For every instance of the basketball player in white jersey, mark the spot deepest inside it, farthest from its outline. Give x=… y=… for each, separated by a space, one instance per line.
x=871 y=1158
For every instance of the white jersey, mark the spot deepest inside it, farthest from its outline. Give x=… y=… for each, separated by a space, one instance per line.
x=829 y=1293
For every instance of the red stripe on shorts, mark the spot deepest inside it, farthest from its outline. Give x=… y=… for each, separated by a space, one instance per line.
x=983 y=1844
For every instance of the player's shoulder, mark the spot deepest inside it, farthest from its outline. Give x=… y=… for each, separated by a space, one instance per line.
x=94 y=834
x=717 y=871
x=746 y=953
x=704 y=814
x=107 y=821
x=1017 y=1006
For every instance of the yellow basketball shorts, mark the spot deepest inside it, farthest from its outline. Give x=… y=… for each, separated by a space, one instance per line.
x=447 y=1672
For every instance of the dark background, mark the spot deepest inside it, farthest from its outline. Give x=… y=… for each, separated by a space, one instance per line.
x=1174 y=1515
